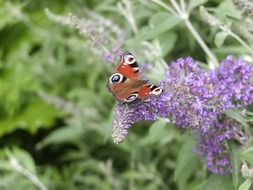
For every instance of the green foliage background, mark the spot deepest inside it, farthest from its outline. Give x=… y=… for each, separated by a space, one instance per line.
x=56 y=113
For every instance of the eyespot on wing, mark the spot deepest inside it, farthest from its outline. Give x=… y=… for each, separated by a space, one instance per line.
x=117 y=78
x=131 y=97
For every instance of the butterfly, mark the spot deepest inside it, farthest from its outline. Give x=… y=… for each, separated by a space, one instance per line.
x=125 y=84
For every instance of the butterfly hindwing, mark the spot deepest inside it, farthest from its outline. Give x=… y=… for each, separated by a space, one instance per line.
x=148 y=89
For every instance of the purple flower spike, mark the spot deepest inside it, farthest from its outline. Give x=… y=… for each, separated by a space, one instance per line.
x=121 y=122
x=196 y=100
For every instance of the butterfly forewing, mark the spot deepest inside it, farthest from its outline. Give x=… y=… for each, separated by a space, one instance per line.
x=128 y=66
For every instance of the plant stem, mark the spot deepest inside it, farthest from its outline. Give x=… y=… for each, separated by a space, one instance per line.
x=126 y=10
x=176 y=6
x=182 y=4
x=184 y=15
x=168 y=8
x=241 y=41
x=33 y=178
x=201 y=42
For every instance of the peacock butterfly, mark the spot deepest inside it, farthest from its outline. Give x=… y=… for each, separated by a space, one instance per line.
x=125 y=84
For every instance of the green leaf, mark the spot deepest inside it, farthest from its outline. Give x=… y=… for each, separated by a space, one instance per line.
x=161 y=17
x=235 y=164
x=24 y=158
x=247 y=155
x=237 y=116
x=246 y=184
x=217 y=182
x=227 y=9
x=230 y=49
x=6 y=16
x=16 y=82
x=220 y=38
x=186 y=163
x=157 y=130
x=167 y=42
x=195 y=3
x=133 y=174
x=158 y=24
x=159 y=133
x=62 y=135
x=35 y=115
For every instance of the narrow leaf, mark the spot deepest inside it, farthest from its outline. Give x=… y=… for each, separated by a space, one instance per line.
x=235 y=165
x=217 y=182
x=236 y=115
x=186 y=163
x=195 y=3
x=220 y=38
x=246 y=184
x=158 y=24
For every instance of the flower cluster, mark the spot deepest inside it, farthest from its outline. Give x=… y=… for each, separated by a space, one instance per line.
x=197 y=100
x=245 y=6
x=106 y=37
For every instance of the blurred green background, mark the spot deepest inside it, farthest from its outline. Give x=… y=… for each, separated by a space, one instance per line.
x=56 y=112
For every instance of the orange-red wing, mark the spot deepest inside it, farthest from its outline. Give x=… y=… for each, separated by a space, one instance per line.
x=128 y=66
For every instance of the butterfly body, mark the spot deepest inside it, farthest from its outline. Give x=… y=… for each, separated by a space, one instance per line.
x=125 y=84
